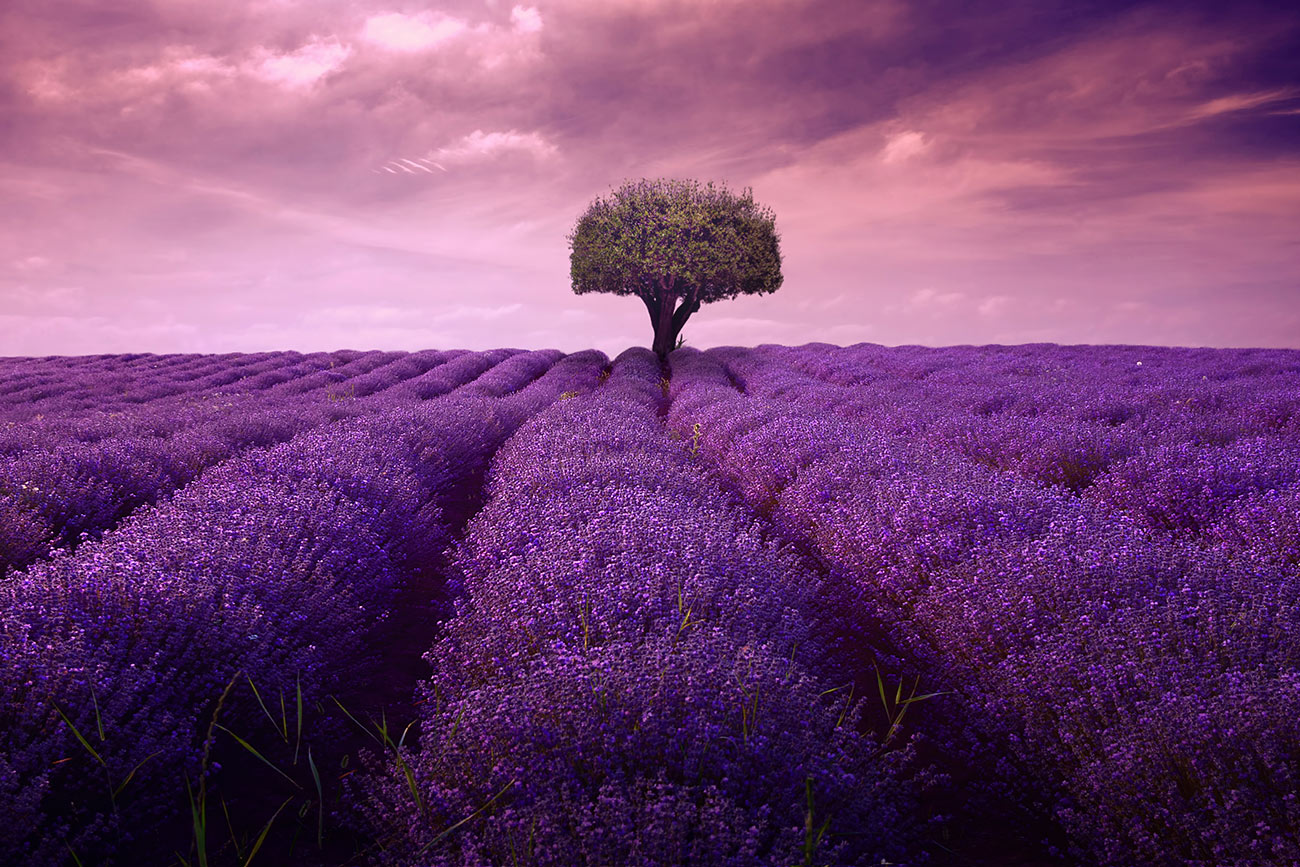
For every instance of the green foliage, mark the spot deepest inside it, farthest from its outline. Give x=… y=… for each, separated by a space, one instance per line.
x=667 y=235
x=670 y=240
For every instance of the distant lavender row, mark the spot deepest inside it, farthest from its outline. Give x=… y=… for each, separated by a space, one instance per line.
x=281 y=565
x=84 y=394
x=86 y=402
x=54 y=494
x=118 y=383
x=631 y=677
x=1158 y=394
x=1183 y=445
x=100 y=410
x=36 y=378
x=1125 y=656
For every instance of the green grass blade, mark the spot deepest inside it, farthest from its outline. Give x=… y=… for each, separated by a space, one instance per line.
x=848 y=705
x=489 y=803
x=923 y=697
x=320 y=799
x=122 y=785
x=99 y=723
x=455 y=725
x=246 y=745
x=85 y=743
x=261 y=838
x=199 y=816
x=234 y=838
x=410 y=780
x=354 y=720
x=258 y=695
x=298 y=742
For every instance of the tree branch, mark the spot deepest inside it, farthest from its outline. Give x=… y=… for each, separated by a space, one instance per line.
x=690 y=304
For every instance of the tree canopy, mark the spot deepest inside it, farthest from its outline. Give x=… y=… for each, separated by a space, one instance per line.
x=670 y=241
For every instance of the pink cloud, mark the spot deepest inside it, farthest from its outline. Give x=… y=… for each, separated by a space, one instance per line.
x=399 y=32
x=306 y=65
x=526 y=19
x=903 y=145
x=231 y=168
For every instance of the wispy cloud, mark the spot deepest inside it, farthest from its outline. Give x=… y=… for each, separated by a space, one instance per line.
x=400 y=32
x=526 y=19
x=477 y=147
x=1243 y=102
x=480 y=145
x=305 y=65
x=411 y=167
x=993 y=305
x=903 y=145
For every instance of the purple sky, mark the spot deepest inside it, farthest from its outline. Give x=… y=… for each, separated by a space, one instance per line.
x=182 y=176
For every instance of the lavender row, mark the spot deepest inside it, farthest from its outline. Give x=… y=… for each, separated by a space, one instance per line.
x=113 y=403
x=55 y=495
x=282 y=565
x=1137 y=683
x=632 y=676
x=336 y=375
x=1086 y=406
x=172 y=414
x=1162 y=392
x=1167 y=474
x=32 y=374
x=125 y=381
x=122 y=384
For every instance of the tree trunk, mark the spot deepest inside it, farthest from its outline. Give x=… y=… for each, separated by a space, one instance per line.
x=663 y=325
x=666 y=321
x=688 y=306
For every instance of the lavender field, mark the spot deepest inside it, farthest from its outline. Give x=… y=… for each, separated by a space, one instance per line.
x=811 y=605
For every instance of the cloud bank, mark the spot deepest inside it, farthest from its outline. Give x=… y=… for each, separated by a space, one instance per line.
x=189 y=177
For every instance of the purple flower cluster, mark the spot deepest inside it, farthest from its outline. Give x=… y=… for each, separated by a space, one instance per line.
x=280 y=564
x=99 y=385
x=667 y=609
x=1188 y=488
x=1121 y=637
x=89 y=472
x=458 y=371
x=631 y=674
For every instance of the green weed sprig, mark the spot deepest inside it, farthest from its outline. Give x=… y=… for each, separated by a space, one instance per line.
x=113 y=791
x=900 y=705
x=812 y=834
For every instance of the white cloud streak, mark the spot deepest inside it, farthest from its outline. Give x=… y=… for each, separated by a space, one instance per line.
x=408 y=33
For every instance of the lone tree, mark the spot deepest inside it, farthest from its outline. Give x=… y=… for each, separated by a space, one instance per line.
x=669 y=241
